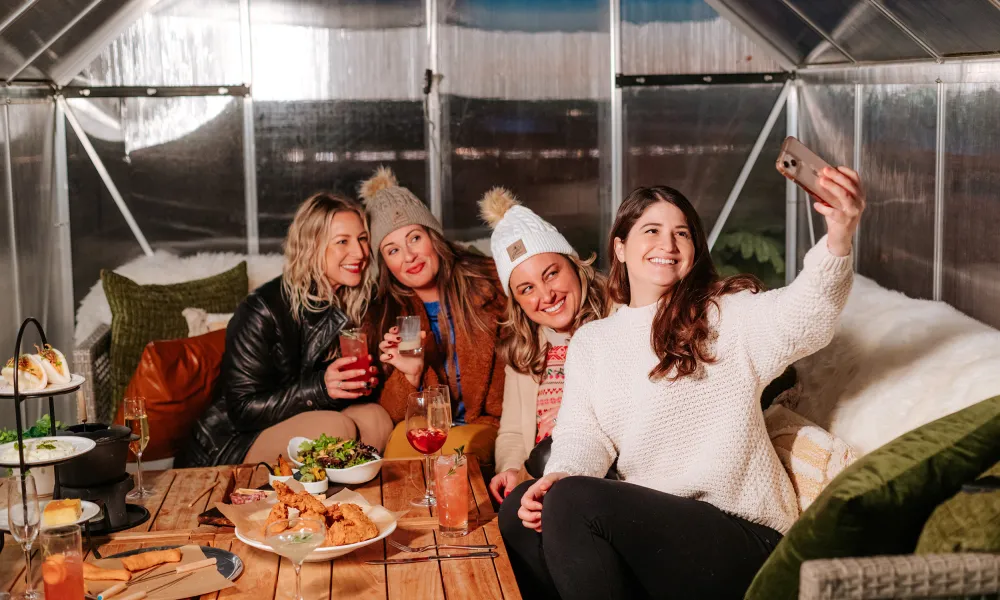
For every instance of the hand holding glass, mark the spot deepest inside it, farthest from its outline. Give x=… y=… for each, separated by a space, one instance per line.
x=409 y=336
x=354 y=342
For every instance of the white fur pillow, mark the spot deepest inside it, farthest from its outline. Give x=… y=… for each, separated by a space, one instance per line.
x=895 y=364
x=201 y=322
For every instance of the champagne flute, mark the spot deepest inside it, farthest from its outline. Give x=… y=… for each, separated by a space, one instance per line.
x=295 y=539
x=445 y=391
x=24 y=518
x=428 y=420
x=135 y=419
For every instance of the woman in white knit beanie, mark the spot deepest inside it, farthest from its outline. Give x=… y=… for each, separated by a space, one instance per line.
x=669 y=386
x=551 y=292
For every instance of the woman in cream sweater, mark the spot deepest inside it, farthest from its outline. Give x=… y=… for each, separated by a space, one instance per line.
x=551 y=292
x=669 y=385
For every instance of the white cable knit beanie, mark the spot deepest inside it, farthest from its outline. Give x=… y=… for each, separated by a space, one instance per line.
x=518 y=233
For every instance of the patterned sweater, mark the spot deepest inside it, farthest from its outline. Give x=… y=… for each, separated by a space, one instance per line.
x=702 y=436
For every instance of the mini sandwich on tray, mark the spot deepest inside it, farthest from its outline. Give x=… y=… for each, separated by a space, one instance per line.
x=37 y=371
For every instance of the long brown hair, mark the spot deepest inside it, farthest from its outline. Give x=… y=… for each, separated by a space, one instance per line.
x=304 y=273
x=520 y=346
x=681 y=331
x=464 y=280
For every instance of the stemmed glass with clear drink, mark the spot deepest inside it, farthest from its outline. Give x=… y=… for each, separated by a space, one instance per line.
x=62 y=568
x=428 y=420
x=24 y=518
x=135 y=419
x=295 y=539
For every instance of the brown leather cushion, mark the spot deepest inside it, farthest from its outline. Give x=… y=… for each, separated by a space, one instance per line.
x=176 y=377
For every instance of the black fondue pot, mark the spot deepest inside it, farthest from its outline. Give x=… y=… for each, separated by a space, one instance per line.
x=104 y=464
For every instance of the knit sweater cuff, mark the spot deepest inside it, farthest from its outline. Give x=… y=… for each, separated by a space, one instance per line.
x=820 y=257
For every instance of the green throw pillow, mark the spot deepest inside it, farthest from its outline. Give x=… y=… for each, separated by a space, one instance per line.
x=968 y=522
x=143 y=313
x=880 y=503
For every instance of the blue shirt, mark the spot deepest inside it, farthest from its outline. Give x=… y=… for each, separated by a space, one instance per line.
x=433 y=310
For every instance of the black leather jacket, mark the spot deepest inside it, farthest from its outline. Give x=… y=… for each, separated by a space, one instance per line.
x=272 y=370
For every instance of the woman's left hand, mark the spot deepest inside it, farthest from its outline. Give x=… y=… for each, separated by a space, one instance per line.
x=844 y=185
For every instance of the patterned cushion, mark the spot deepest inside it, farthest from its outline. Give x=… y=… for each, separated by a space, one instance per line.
x=967 y=522
x=879 y=504
x=143 y=313
x=811 y=455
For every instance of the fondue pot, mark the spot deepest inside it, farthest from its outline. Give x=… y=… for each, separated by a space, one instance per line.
x=104 y=464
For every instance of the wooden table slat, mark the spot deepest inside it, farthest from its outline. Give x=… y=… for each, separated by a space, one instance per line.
x=266 y=576
x=417 y=581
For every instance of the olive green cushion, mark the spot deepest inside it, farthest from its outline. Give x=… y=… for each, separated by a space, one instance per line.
x=880 y=503
x=967 y=522
x=144 y=313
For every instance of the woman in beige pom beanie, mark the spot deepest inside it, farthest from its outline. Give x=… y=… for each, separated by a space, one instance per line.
x=551 y=293
x=459 y=301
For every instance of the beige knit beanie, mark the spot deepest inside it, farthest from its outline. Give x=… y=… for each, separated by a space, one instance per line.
x=390 y=207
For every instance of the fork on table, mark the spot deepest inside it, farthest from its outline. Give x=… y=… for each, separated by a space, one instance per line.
x=405 y=548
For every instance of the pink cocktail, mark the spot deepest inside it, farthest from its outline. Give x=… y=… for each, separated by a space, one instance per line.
x=451 y=475
x=354 y=342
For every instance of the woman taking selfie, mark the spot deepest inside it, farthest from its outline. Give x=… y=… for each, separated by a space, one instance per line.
x=550 y=294
x=459 y=302
x=704 y=498
x=278 y=377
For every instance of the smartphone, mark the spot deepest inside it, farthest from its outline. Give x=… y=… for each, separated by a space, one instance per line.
x=803 y=166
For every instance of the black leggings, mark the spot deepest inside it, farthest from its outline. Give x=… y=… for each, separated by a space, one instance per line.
x=612 y=539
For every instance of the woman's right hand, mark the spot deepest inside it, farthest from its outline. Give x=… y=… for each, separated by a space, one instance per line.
x=336 y=379
x=530 y=512
x=412 y=367
x=503 y=483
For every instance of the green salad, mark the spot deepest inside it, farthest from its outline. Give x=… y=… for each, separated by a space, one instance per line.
x=334 y=453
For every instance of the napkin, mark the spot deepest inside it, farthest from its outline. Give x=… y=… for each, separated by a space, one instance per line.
x=199 y=582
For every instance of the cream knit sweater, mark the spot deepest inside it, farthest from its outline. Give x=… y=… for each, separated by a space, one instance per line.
x=702 y=436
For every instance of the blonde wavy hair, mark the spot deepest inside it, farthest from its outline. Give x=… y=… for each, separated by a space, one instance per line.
x=303 y=278
x=520 y=345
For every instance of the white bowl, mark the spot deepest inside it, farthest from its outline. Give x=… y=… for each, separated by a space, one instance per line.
x=315 y=487
x=293 y=449
x=282 y=478
x=356 y=474
x=45 y=479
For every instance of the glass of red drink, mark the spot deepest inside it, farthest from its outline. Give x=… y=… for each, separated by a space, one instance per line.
x=62 y=566
x=428 y=419
x=354 y=342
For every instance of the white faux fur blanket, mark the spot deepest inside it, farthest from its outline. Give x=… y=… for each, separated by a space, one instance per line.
x=164 y=267
x=894 y=364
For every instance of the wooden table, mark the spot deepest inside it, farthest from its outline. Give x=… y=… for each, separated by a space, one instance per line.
x=267 y=576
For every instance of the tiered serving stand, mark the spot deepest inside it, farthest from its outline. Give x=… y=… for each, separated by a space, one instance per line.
x=20 y=396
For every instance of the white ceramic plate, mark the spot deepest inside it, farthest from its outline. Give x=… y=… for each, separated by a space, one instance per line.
x=80 y=445
x=89 y=511
x=75 y=381
x=327 y=552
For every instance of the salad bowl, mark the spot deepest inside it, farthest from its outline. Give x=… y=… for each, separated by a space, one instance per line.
x=349 y=475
